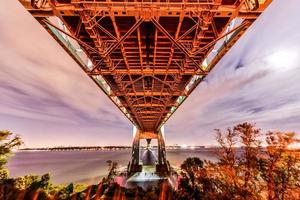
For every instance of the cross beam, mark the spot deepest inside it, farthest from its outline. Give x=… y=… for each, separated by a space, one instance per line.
x=146 y=56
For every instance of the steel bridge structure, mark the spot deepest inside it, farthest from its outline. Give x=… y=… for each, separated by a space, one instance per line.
x=146 y=55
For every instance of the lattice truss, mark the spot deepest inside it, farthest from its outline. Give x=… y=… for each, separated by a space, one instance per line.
x=147 y=56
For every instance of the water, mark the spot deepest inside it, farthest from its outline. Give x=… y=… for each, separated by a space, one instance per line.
x=84 y=166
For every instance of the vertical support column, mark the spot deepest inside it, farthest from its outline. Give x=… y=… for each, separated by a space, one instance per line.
x=148 y=143
x=163 y=165
x=136 y=149
x=161 y=149
x=135 y=156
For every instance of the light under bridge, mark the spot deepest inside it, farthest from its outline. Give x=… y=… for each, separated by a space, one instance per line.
x=146 y=55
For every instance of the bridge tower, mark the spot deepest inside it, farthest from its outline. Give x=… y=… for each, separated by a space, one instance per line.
x=161 y=164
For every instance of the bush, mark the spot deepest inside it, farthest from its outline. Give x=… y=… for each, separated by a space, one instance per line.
x=249 y=172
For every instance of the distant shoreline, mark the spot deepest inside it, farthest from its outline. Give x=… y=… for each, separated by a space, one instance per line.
x=98 y=148
x=119 y=148
x=110 y=148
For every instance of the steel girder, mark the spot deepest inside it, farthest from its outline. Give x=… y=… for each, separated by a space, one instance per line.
x=146 y=54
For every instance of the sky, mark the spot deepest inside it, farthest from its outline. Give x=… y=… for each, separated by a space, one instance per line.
x=48 y=100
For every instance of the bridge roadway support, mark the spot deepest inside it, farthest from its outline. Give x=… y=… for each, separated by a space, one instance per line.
x=162 y=165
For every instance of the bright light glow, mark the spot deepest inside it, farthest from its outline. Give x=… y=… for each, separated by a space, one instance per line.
x=283 y=59
x=134 y=131
x=183 y=146
x=89 y=64
x=294 y=146
x=79 y=50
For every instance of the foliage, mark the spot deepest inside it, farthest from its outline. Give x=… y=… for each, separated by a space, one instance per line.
x=112 y=170
x=280 y=168
x=66 y=192
x=249 y=172
x=7 y=143
x=191 y=167
x=245 y=170
x=4 y=174
x=24 y=182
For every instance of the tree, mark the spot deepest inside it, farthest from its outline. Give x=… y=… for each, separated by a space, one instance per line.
x=7 y=143
x=112 y=170
x=190 y=183
x=246 y=172
x=248 y=161
x=191 y=166
x=224 y=173
x=280 y=167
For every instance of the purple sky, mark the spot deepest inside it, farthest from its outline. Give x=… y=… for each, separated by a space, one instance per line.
x=47 y=99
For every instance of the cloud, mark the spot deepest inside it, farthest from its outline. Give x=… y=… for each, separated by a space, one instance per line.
x=41 y=84
x=257 y=81
x=45 y=96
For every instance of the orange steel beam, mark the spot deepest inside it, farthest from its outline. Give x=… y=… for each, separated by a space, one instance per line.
x=146 y=56
x=168 y=66
x=221 y=37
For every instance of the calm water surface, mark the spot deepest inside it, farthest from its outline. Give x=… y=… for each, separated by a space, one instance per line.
x=83 y=166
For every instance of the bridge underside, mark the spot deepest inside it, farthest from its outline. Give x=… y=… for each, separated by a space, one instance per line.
x=147 y=56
